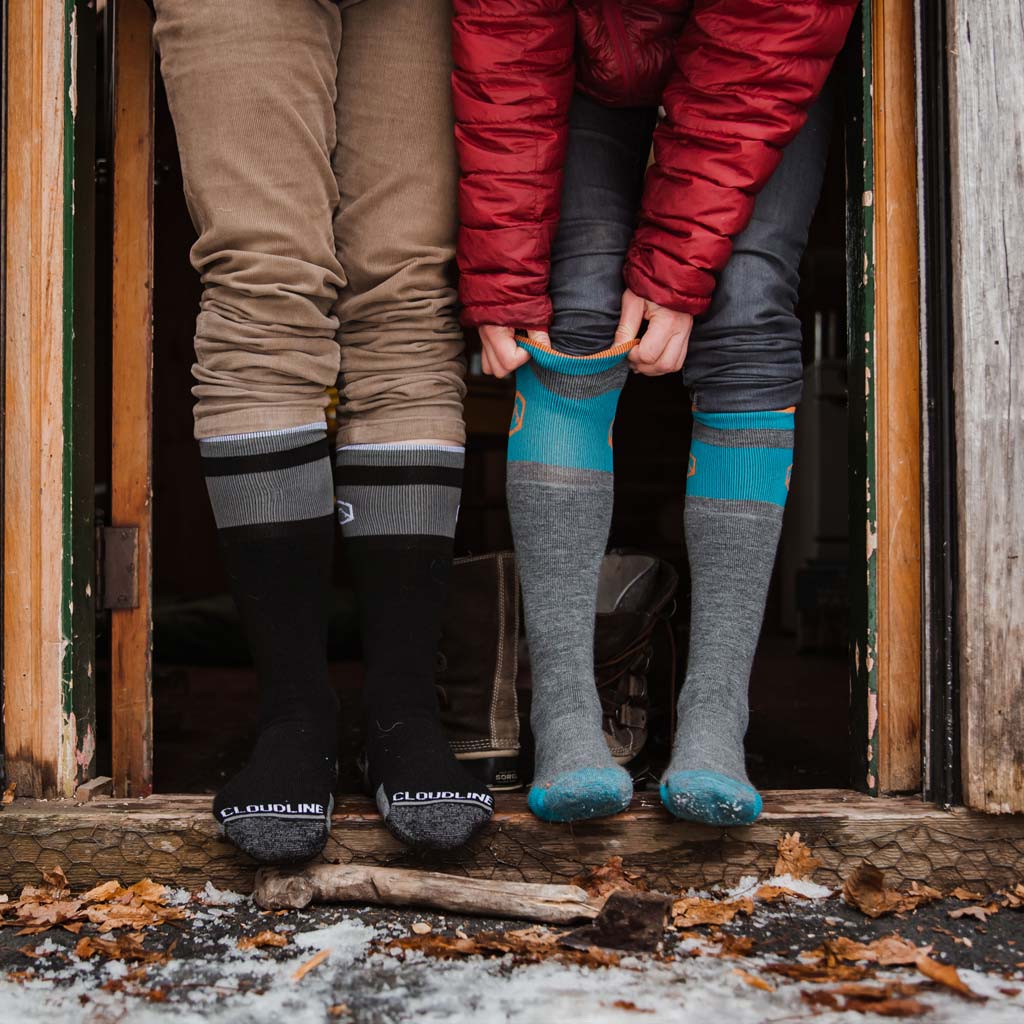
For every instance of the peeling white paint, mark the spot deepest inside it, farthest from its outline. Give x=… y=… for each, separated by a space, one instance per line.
x=868 y=199
x=73 y=84
x=871 y=537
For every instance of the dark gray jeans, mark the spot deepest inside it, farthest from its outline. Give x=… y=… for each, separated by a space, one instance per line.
x=745 y=352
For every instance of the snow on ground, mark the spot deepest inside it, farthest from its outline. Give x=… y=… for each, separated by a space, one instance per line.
x=214 y=981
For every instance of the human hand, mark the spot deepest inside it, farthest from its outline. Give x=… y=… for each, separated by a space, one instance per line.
x=663 y=346
x=501 y=355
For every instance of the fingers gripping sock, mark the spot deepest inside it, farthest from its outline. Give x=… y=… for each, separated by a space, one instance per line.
x=272 y=499
x=560 y=504
x=397 y=506
x=737 y=484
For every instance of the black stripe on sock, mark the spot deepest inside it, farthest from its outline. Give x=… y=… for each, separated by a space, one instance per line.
x=294 y=529
x=267 y=462
x=391 y=476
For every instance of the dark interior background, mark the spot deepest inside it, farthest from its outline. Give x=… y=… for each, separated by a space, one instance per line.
x=203 y=685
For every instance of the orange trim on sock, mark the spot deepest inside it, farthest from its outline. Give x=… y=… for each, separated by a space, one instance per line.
x=615 y=350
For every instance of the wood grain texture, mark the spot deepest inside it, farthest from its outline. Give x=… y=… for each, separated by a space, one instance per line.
x=987 y=156
x=132 y=415
x=39 y=734
x=175 y=840
x=897 y=385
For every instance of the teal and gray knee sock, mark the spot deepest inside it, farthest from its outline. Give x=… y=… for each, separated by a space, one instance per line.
x=273 y=500
x=736 y=491
x=560 y=504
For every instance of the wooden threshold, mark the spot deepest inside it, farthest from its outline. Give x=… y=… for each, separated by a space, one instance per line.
x=173 y=839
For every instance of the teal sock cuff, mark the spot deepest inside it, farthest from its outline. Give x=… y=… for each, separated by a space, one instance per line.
x=565 y=408
x=741 y=457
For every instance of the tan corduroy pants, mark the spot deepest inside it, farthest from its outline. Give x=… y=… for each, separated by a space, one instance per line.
x=319 y=166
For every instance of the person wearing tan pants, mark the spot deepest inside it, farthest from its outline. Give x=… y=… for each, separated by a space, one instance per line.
x=318 y=160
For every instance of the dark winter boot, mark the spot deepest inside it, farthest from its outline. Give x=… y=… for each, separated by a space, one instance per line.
x=477 y=666
x=635 y=593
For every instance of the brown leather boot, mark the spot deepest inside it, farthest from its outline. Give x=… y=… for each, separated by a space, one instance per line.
x=635 y=593
x=477 y=666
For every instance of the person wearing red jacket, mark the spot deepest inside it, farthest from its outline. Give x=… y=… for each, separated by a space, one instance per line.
x=569 y=248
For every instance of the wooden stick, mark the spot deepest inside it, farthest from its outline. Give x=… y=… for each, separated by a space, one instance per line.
x=279 y=888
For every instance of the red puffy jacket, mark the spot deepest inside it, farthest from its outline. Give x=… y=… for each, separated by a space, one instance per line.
x=735 y=78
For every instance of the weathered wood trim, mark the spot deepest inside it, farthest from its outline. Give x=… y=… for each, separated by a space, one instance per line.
x=175 y=840
x=897 y=384
x=987 y=162
x=132 y=415
x=43 y=748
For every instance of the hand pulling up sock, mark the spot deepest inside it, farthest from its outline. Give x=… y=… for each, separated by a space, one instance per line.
x=397 y=505
x=560 y=503
x=272 y=500
x=737 y=484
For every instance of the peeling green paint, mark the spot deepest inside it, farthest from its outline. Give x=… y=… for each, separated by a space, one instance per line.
x=860 y=221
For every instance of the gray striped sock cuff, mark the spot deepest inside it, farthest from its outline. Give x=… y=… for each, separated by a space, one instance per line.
x=273 y=477
x=398 y=491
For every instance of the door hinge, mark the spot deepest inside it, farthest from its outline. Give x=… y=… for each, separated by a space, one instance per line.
x=120 y=568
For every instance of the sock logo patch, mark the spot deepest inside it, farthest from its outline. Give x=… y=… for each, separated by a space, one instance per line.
x=518 y=412
x=345 y=513
x=276 y=809
x=430 y=796
x=692 y=470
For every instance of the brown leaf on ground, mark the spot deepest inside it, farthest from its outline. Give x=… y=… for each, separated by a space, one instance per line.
x=33 y=915
x=57 y=881
x=339 y=1010
x=8 y=797
x=103 y=892
x=886 y=951
x=982 y=914
x=753 y=980
x=946 y=975
x=865 y=890
x=311 y=965
x=774 y=893
x=961 y=892
x=262 y=939
x=1015 y=898
x=691 y=911
x=733 y=945
x=610 y=877
x=526 y=945
x=125 y=947
x=821 y=971
x=630 y=1006
x=890 y=999
x=795 y=858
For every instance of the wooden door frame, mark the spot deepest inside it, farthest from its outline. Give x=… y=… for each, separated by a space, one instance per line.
x=48 y=605
x=885 y=363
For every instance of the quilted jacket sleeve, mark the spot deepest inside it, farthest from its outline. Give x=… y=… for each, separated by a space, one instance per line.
x=745 y=73
x=511 y=86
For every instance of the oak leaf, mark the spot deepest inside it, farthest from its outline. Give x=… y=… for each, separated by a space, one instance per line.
x=795 y=858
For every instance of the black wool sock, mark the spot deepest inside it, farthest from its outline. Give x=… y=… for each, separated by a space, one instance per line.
x=272 y=499
x=397 y=507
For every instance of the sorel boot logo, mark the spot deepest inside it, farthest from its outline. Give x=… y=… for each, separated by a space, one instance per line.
x=345 y=513
x=230 y=812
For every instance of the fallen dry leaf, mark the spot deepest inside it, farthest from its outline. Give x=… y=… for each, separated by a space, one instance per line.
x=822 y=971
x=125 y=947
x=422 y=927
x=8 y=797
x=795 y=858
x=774 y=893
x=56 y=879
x=339 y=1010
x=753 y=981
x=262 y=939
x=1014 y=899
x=886 y=951
x=865 y=890
x=610 y=877
x=946 y=974
x=103 y=892
x=733 y=945
x=891 y=999
x=691 y=911
x=961 y=892
x=979 y=913
x=626 y=1004
x=311 y=964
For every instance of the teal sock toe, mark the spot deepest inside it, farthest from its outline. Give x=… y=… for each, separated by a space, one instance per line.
x=582 y=794
x=710 y=798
